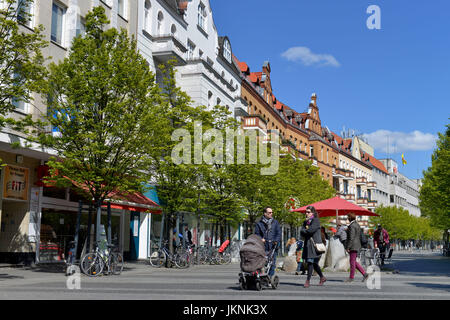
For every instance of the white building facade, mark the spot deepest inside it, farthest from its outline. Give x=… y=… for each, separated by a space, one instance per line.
x=185 y=31
x=403 y=192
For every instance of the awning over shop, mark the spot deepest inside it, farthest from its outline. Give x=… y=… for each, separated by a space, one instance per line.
x=135 y=201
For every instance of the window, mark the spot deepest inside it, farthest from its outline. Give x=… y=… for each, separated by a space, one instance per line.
x=121 y=10
x=227 y=50
x=147 y=15
x=173 y=30
x=81 y=27
x=58 y=13
x=19 y=104
x=201 y=16
x=25 y=13
x=190 y=52
x=160 y=23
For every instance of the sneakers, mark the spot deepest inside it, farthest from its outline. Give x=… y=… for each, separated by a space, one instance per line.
x=365 y=277
x=349 y=280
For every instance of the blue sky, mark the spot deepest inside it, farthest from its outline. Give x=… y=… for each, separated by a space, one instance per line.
x=390 y=82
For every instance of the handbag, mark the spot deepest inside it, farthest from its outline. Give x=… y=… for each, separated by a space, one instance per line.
x=320 y=247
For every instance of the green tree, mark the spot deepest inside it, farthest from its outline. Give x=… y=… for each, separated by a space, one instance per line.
x=101 y=103
x=181 y=185
x=435 y=192
x=22 y=69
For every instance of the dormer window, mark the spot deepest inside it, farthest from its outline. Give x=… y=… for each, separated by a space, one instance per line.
x=227 y=50
x=201 y=16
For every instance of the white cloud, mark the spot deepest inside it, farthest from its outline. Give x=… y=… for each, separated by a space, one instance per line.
x=399 y=142
x=308 y=58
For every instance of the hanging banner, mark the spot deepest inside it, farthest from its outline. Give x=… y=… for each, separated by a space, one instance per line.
x=16 y=183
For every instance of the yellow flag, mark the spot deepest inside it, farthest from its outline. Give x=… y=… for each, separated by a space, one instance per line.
x=403 y=159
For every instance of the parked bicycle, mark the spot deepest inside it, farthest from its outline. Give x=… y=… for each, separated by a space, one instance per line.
x=162 y=256
x=93 y=264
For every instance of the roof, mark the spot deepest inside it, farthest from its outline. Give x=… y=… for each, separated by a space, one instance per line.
x=374 y=161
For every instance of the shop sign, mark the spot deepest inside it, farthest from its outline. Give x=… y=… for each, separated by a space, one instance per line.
x=16 y=183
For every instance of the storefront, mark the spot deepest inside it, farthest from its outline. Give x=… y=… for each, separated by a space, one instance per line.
x=58 y=223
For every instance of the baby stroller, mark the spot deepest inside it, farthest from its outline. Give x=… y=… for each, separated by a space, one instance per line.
x=255 y=265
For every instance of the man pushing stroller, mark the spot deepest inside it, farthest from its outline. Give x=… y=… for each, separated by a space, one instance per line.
x=269 y=230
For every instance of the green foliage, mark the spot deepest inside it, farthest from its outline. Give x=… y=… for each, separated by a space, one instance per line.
x=294 y=179
x=22 y=69
x=403 y=226
x=101 y=100
x=435 y=192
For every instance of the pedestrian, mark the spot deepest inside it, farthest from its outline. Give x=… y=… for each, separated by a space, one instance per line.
x=381 y=238
x=291 y=246
x=187 y=236
x=353 y=245
x=301 y=265
x=269 y=230
x=312 y=236
x=341 y=232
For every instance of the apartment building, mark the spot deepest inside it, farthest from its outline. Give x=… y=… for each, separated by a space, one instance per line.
x=185 y=31
x=403 y=192
x=38 y=221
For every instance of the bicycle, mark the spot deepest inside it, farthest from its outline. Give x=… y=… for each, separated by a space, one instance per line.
x=162 y=256
x=92 y=264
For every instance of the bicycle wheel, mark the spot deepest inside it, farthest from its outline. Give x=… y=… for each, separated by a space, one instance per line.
x=181 y=260
x=157 y=259
x=92 y=264
x=226 y=258
x=116 y=263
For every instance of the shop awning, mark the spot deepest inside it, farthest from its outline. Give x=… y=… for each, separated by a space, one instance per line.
x=119 y=200
x=134 y=202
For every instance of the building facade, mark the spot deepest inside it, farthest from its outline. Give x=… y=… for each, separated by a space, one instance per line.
x=37 y=220
x=403 y=192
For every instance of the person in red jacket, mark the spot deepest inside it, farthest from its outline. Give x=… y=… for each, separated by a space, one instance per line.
x=381 y=240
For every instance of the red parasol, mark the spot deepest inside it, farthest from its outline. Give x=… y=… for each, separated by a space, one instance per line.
x=337 y=207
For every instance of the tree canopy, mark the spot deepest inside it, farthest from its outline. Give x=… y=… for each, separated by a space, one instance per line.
x=435 y=192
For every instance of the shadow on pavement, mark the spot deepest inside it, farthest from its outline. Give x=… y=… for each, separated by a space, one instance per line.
x=436 y=286
x=7 y=276
x=426 y=265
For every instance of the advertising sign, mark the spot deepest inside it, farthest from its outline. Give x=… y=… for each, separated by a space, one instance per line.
x=16 y=183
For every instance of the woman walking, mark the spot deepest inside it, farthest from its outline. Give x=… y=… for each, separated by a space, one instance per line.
x=312 y=234
x=353 y=245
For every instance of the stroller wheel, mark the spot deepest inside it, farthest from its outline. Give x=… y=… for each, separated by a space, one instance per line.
x=258 y=285
x=274 y=281
x=242 y=284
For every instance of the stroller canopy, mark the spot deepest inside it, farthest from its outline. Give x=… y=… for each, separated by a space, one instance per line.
x=253 y=254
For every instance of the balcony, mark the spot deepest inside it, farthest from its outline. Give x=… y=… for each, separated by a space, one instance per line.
x=361 y=181
x=361 y=201
x=313 y=160
x=371 y=185
x=349 y=175
x=349 y=197
x=167 y=47
x=339 y=173
x=371 y=203
x=255 y=122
